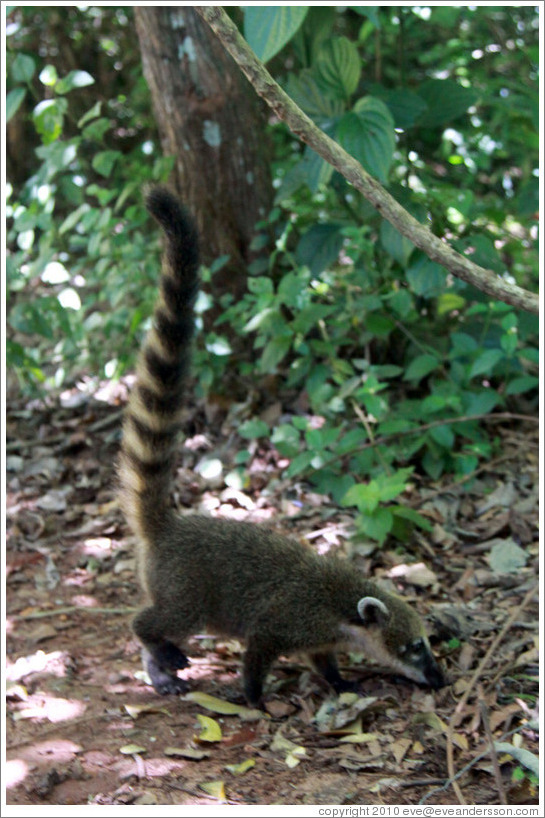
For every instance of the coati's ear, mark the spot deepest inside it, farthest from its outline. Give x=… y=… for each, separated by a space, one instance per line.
x=372 y=611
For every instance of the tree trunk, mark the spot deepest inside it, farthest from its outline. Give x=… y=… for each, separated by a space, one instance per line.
x=211 y=120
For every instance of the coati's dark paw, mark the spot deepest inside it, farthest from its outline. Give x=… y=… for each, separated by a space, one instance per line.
x=164 y=679
x=253 y=693
x=170 y=657
x=170 y=686
x=345 y=686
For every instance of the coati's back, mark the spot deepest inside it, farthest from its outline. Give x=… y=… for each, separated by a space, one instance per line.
x=235 y=578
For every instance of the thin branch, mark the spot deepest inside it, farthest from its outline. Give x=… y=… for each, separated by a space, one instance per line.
x=306 y=130
x=493 y=754
x=70 y=610
x=380 y=441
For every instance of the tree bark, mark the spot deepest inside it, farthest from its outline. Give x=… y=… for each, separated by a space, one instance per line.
x=211 y=121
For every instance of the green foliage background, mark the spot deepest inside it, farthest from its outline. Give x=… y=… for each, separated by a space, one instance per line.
x=392 y=355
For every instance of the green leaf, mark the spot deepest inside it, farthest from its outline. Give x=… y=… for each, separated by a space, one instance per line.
x=446 y=101
x=395 y=244
x=48 y=118
x=276 y=349
x=404 y=105
x=401 y=302
x=521 y=754
x=426 y=277
x=309 y=96
x=13 y=102
x=252 y=429
x=421 y=366
x=73 y=218
x=482 y=402
x=300 y=463
x=90 y=114
x=413 y=516
x=365 y=497
x=48 y=75
x=286 y=439
x=481 y=250
x=96 y=130
x=379 y=325
x=371 y=12
x=267 y=29
x=319 y=247
x=462 y=344
x=376 y=525
x=22 y=68
x=104 y=161
x=367 y=133
x=486 y=362
x=315 y=170
x=447 y=302
x=443 y=435
x=523 y=384
x=339 y=66
x=75 y=79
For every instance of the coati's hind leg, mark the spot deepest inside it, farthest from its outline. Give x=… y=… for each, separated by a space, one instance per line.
x=326 y=664
x=161 y=657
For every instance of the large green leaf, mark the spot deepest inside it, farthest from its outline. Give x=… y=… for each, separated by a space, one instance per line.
x=367 y=133
x=486 y=362
x=446 y=101
x=315 y=170
x=268 y=28
x=48 y=117
x=13 y=101
x=309 y=96
x=371 y=12
x=75 y=79
x=319 y=247
x=426 y=277
x=339 y=67
x=395 y=244
x=104 y=161
x=22 y=68
x=404 y=105
x=421 y=366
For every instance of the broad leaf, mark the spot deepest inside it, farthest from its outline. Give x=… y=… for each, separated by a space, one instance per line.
x=13 y=102
x=75 y=79
x=339 y=67
x=395 y=244
x=319 y=247
x=268 y=28
x=446 y=101
x=421 y=366
x=367 y=133
x=426 y=277
x=22 y=68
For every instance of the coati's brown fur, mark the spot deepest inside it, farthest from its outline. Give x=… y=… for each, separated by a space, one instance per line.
x=236 y=579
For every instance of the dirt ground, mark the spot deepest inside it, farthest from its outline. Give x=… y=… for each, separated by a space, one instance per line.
x=83 y=727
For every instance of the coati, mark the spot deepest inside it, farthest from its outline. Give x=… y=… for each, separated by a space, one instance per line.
x=236 y=579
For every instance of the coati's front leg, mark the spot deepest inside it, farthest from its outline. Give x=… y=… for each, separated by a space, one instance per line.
x=161 y=657
x=257 y=661
x=326 y=664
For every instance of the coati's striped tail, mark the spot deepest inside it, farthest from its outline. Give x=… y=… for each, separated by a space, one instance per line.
x=152 y=418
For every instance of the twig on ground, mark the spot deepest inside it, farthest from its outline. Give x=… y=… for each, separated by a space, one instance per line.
x=458 y=712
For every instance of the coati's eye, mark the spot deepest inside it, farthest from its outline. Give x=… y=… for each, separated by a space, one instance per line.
x=416 y=647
